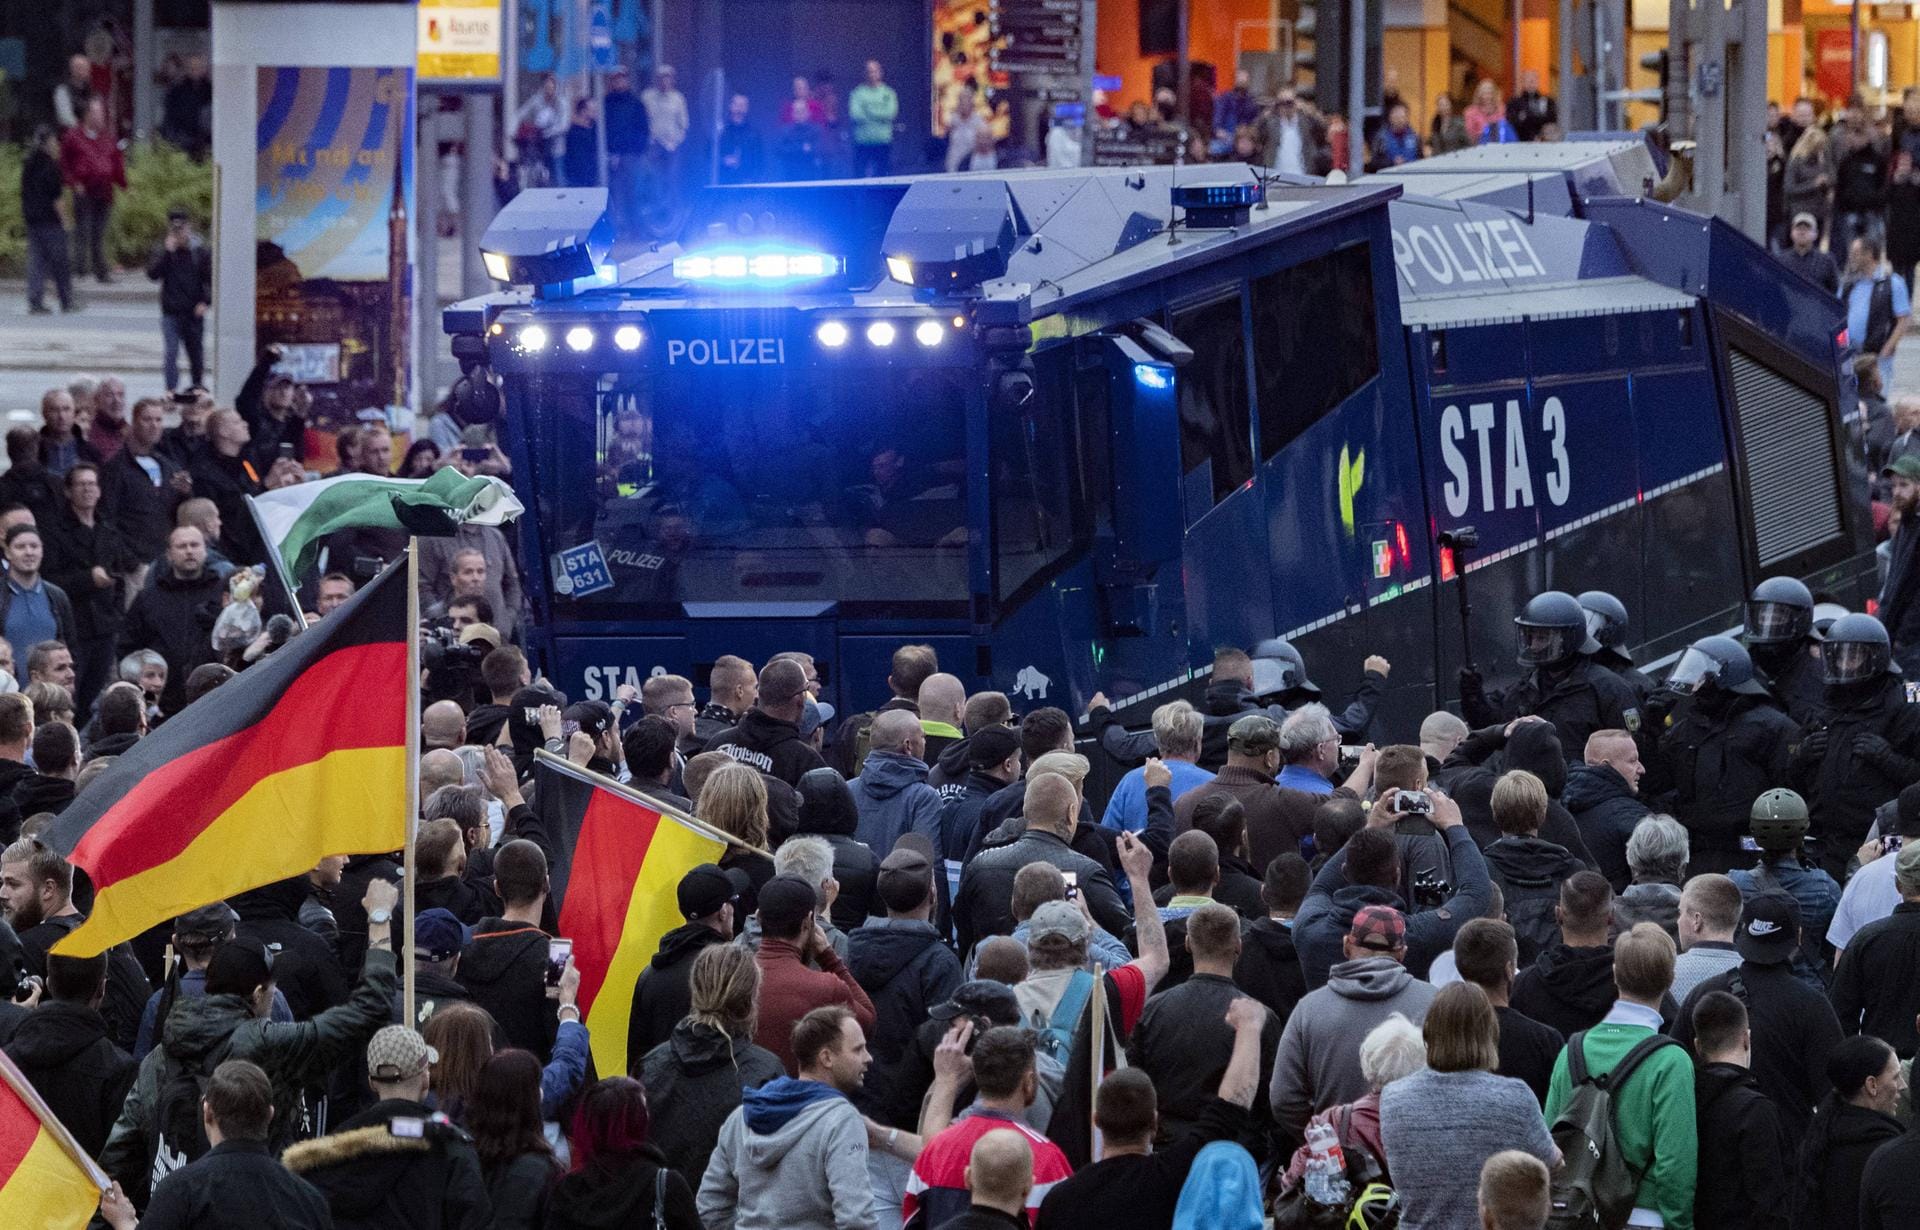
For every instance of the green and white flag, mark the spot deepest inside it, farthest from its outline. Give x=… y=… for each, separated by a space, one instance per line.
x=295 y=519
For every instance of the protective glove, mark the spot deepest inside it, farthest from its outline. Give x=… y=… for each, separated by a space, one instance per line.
x=1812 y=747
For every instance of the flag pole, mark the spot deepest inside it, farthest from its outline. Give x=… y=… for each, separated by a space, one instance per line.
x=645 y=800
x=1097 y=1057
x=18 y=1082
x=409 y=863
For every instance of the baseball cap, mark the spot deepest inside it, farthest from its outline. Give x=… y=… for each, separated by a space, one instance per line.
x=784 y=901
x=814 y=715
x=1803 y=218
x=238 y=966
x=179 y=213
x=209 y=923
x=1379 y=927
x=439 y=936
x=1904 y=466
x=990 y=747
x=1254 y=735
x=1769 y=929
x=911 y=859
x=1061 y=918
x=397 y=1053
x=522 y=726
x=1906 y=867
x=707 y=887
x=481 y=632
x=595 y=717
x=980 y=997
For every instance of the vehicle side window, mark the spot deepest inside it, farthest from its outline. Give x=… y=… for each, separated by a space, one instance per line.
x=1214 y=418
x=1314 y=341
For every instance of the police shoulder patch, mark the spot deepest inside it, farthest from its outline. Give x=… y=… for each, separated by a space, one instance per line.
x=1632 y=719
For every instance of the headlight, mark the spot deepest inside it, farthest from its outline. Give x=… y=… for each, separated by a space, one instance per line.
x=533 y=337
x=881 y=333
x=579 y=339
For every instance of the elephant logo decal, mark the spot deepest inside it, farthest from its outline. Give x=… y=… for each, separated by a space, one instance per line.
x=1030 y=684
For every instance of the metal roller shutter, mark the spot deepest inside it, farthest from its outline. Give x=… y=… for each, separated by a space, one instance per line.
x=1787 y=451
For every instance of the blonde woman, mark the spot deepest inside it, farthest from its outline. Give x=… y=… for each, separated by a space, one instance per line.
x=1808 y=184
x=695 y=1078
x=734 y=800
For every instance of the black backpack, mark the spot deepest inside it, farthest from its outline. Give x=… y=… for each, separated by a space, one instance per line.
x=1595 y=1188
x=179 y=1136
x=1530 y=902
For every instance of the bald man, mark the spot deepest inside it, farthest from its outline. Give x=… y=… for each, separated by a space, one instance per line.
x=942 y=703
x=440 y=767
x=891 y=794
x=999 y=1175
x=443 y=724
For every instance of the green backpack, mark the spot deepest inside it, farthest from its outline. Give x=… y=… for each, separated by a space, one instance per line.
x=1595 y=1187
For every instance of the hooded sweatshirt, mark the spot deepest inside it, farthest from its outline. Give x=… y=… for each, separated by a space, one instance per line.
x=694 y=1081
x=827 y=810
x=1318 y=1063
x=305 y=969
x=1533 y=746
x=620 y=1192
x=892 y=797
x=663 y=993
x=1745 y=1165
x=793 y=1157
x=905 y=969
x=1331 y=903
x=1530 y=872
x=768 y=744
x=64 y=1050
x=505 y=971
x=1567 y=988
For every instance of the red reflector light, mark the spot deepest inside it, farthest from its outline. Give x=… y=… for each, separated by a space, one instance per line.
x=1446 y=563
x=1873 y=606
x=1840 y=339
x=1400 y=541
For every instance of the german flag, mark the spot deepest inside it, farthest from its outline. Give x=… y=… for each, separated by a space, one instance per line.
x=46 y=1182
x=298 y=757
x=617 y=865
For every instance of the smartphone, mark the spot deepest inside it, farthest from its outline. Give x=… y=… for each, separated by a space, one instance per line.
x=1073 y=883
x=475 y=454
x=1412 y=803
x=559 y=952
x=569 y=729
x=286 y=451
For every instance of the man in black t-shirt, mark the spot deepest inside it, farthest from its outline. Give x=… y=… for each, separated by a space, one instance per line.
x=1486 y=954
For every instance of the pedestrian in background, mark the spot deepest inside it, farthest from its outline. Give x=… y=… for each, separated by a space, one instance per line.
x=184 y=269
x=40 y=190
x=628 y=136
x=667 y=126
x=873 y=107
x=581 y=162
x=91 y=162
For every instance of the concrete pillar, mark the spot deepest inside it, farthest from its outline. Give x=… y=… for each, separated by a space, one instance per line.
x=146 y=101
x=476 y=192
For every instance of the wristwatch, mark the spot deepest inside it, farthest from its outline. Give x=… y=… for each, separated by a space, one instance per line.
x=380 y=917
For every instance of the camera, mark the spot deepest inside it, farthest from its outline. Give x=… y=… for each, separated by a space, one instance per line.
x=1430 y=891
x=440 y=649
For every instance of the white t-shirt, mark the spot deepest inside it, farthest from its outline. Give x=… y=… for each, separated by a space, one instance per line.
x=1870 y=896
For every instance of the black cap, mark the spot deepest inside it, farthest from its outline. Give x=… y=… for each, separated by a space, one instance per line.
x=1769 y=929
x=707 y=887
x=1907 y=811
x=981 y=997
x=208 y=925
x=594 y=717
x=784 y=901
x=179 y=213
x=990 y=747
x=238 y=966
x=522 y=726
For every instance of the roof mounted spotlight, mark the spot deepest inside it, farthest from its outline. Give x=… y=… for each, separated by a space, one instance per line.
x=947 y=235
x=548 y=237
x=1217 y=204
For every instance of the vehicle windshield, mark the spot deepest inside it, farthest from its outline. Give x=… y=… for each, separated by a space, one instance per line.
x=844 y=486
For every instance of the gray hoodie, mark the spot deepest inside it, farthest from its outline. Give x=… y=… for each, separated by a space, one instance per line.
x=1318 y=1063
x=808 y=1173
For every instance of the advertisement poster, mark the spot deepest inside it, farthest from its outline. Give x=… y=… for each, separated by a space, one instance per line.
x=1833 y=63
x=459 y=41
x=334 y=192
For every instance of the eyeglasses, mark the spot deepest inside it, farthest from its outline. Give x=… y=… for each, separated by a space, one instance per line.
x=681 y=704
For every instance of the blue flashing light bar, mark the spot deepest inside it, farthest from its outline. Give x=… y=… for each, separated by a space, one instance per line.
x=1152 y=376
x=756 y=266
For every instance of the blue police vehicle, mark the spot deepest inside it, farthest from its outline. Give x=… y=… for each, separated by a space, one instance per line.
x=1075 y=429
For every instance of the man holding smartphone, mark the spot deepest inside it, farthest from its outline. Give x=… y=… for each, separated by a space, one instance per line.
x=184 y=268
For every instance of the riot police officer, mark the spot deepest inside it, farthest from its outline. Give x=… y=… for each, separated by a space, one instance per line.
x=1563 y=683
x=1862 y=745
x=1780 y=637
x=1280 y=678
x=1779 y=827
x=1729 y=741
x=1607 y=624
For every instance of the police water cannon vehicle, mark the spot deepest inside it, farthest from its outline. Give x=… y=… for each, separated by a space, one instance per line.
x=1076 y=429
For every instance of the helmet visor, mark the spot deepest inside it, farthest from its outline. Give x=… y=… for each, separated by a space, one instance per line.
x=1545 y=644
x=1597 y=625
x=1774 y=623
x=1855 y=661
x=1692 y=671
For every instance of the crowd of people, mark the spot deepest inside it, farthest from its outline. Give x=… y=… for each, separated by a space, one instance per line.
x=1594 y=938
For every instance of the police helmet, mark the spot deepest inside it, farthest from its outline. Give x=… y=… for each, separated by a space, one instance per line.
x=1606 y=618
x=1278 y=667
x=1824 y=613
x=1553 y=629
x=1778 y=820
x=1719 y=659
x=1780 y=612
x=1857 y=650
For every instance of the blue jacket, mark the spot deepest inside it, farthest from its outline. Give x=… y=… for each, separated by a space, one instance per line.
x=893 y=798
x=1127 y=809
x=1332 y=902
